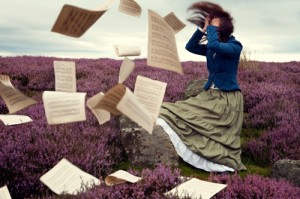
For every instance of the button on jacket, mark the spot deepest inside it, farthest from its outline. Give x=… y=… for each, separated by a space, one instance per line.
x=222 y=58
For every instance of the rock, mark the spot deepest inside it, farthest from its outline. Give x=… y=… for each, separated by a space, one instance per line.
x=194 y=88
x=144 y=149
x=287 y=169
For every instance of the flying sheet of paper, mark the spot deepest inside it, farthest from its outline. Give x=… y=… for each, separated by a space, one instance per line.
x=65 y=76
x=126 y=69
x=150 y=93
x=102 y=116
x=14 y=119
x=74 y=21
x=5 y=80
x=120 y=100
x=162 y=49
x=122 y=51
x=130 y=106
x=13 y=98
x=62 y=107
x=174 y=22
x=4 y=193
x=111 y=98
x=196 y=188
x=64 y=177
x=119 y=177
x=130 y=7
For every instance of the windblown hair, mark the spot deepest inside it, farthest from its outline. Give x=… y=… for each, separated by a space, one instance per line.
x=204 y=9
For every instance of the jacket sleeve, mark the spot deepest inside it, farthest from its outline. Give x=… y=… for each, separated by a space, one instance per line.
x=193 y=45
x=232 y=48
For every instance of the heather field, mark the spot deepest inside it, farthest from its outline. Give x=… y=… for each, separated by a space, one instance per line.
x=271 y=130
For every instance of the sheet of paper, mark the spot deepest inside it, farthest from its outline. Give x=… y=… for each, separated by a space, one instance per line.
x=13 y=98
x=62 y=107
x=150 y=93
x=65 y=76
x=119 y=177
x=102 y=116
x=5 y=80
x=174 y=22
x=130 y=7
x=162 y=48
x=67 y=178
x=4 y=193
x=126 y=69
x=111 y=98
x=130 y=106
x=196 y=188
x=14 y=119
x=122 y=50
x=74 y=21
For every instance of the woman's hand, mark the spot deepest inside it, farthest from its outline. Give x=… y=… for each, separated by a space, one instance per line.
x=215 y=22
x=207 y=22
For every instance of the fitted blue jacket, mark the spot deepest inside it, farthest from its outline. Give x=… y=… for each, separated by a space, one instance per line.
x=222 y=58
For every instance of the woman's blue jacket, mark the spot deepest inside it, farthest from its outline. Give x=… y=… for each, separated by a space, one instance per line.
x=222 y=58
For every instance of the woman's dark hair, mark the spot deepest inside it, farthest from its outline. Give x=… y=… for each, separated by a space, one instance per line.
x=204 y=9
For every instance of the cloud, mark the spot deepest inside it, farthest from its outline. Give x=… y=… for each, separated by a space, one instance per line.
x=265 y=26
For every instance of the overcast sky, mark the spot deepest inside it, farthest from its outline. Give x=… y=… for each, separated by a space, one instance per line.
x=268 y=30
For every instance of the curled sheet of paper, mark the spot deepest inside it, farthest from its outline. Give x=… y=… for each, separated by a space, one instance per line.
x=119 y=177
x=174 y=22
x=74 y=21
x=102 y=116
x=130 y=106
x=120 y=100
x=162 y=48
x=65 y=76
x=126 y=69
x=14 y=99
x=62 y=107
x=122 y=51
x=111 y=98
x=14 y=119
x=5 y=80
x=66 y=178
x=130 y=7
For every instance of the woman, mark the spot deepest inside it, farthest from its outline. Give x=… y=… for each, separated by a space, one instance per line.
x=205 y=129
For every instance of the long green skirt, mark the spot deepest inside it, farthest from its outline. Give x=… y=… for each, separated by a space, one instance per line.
x=209 y=125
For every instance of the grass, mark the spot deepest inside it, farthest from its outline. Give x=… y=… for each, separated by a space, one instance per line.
x=253 y=168
x=190 y=171
x=248 y=134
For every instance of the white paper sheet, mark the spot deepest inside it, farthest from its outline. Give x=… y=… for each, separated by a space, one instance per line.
x=14 y=99
x=121 y=176
x=14 y=119
x=137 y=112
x=130 y=7
x=126 y=69
x=124 y=50
x=196 y=188
x=150 y=93
x=102 y=116
x=65 y=76
x=4 y=193
x=62 y=107
x=74 y=21
x=66 y=178
x=174 y=22
x=162 y=48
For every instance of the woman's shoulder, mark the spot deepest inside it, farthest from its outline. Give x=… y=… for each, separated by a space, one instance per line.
x=233 y=40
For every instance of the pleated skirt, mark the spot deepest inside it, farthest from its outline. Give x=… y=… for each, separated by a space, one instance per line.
x=209 y=125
